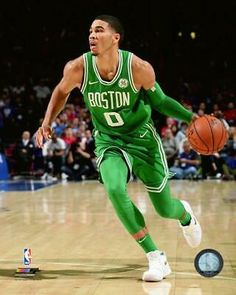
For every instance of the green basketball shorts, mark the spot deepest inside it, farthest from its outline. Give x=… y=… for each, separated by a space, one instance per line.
x=143 y=153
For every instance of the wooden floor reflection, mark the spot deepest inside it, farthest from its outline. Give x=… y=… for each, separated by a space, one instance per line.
x=81 y=247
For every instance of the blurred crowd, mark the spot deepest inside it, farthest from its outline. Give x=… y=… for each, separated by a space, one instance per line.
x=197 y=71
x=70 y=153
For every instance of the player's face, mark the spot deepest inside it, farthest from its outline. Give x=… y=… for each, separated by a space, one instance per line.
x=102 y=37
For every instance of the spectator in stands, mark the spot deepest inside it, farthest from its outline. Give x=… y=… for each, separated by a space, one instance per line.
x=24 y=154
x=38 y=164
x=64 y=119
x=54 y=155
x=79 y=163
x=187 y=164
x=169 y=123
x=228 y=154
x=4 y=168
x=218 y=114
x=181 y=136
x=90 y=148
x=230 y=114
x=70 y=112
x=202 y=107
x=214 y=166
x=75 y=126
x=216 y=108
x=89 y=143
x=200 y=112
x=170 y=147
x=232 y=138
x=1 y=122
x=82 y=128
x=42 y=91
x=231 y=163
x=58 y=126
x=68 y=136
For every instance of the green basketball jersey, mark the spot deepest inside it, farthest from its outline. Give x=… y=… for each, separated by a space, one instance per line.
x=116 y=106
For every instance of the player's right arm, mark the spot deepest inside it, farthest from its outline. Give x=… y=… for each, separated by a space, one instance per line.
x=144 y=77
x=72 y=78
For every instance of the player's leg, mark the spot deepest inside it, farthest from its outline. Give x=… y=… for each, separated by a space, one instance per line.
x=155 y=179
x=114 y=172
x=169 y=207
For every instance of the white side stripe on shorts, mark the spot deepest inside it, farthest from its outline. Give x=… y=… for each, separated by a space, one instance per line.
x=159 y=188
x=125 y=155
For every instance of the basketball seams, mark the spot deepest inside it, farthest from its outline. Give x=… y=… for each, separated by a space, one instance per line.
x=199 y=150
x=200 y=137
x=205 y=141
x=212 y=135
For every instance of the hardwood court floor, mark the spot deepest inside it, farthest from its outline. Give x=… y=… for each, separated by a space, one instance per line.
x=81 y=247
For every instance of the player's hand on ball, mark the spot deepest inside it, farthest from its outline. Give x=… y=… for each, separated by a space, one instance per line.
x=43 y=133
x=194 y=117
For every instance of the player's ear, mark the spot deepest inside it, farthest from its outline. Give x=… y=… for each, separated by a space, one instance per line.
x=117 y=36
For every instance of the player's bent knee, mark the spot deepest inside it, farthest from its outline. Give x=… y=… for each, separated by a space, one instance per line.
x=115 y=191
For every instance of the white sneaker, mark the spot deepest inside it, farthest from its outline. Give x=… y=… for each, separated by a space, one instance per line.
x=193 y=231
x=51 y=178
x=64 y=176
x=44 y=176
x=158 y=267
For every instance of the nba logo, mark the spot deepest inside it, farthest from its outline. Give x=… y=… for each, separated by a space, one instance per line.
x=27 y=256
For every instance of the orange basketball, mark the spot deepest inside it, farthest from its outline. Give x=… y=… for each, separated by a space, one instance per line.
x=207 y=135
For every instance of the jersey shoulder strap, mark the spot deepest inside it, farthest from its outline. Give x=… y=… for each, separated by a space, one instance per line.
x=87 y=57
x=129 y=57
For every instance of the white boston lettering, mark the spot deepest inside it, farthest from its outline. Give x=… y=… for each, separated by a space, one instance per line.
x=118 y=99
x=98 y=99
x=104 y=100
x=91 y=99
x=109 y=100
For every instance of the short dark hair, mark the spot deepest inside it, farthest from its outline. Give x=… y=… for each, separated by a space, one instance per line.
x=115 y=23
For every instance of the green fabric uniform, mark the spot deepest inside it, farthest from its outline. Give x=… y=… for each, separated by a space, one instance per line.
x=122 y=119
x=126 y=140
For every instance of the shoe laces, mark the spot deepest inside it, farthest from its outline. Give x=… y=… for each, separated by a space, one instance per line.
x=154 y=259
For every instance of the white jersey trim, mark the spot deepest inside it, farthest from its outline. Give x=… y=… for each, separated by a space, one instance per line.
x=125 y=155
x=116 y=75
x=83 y=86
x=130 y=57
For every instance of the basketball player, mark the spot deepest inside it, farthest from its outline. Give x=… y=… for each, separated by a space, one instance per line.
x=120 y=90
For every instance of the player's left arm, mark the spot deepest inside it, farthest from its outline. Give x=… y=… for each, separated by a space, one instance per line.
x=144 y=77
